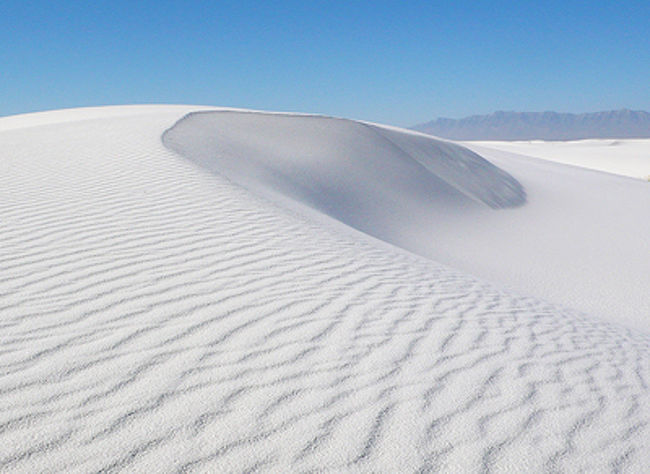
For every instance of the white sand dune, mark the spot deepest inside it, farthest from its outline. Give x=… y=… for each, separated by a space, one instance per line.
x=580 y=240
x=161 y=316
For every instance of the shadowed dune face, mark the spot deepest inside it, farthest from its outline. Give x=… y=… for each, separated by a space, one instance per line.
x=378 y=180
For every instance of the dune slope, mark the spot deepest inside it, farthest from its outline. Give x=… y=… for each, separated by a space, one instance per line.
x=157 y=317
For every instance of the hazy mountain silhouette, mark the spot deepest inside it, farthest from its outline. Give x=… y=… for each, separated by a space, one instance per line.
x=542 y=125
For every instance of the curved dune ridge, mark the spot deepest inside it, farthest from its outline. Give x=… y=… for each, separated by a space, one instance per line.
x=155 y=317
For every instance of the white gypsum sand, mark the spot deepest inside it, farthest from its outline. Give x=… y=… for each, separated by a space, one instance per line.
x=159 y=317
x=626 y=157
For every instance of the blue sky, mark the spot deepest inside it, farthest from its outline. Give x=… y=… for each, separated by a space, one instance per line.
x=394 y=62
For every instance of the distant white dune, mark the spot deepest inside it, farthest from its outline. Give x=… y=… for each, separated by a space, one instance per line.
x=626 y=157
x=159 y=316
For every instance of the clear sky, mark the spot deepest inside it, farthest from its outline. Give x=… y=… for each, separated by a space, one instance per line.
x=397 y=62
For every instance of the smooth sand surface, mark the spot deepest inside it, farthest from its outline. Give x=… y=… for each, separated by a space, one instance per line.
x=626 y=157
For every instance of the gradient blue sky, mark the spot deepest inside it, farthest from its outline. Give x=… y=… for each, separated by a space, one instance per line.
x=393 y=62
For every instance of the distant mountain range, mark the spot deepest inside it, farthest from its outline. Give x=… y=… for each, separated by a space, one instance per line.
x=542 y=125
